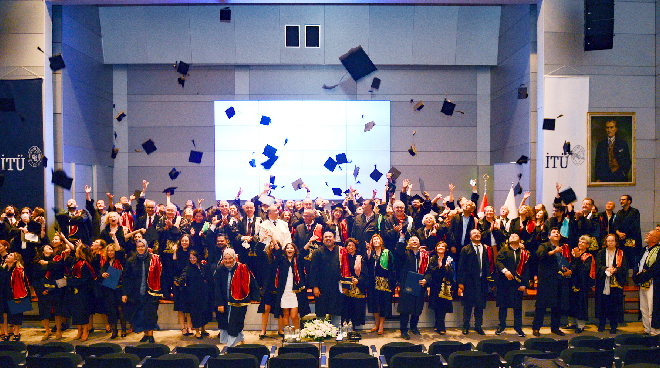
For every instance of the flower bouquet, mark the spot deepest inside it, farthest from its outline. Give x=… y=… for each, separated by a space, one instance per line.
x=318 y=330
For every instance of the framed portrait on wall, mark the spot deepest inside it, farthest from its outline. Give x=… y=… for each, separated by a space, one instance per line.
x=611 y=148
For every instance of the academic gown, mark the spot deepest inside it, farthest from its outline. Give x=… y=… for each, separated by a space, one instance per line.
x=299 y=284
x=235 y=288
x=617 y=281
x=508 y=295
x=439 y=274
x=408 y=303
x=325 y=274
x=381 y=282
x=583 y=278
x=196 y=280
x=649 y=273
x=80 y=287
x=355 y=300
x=552 y=287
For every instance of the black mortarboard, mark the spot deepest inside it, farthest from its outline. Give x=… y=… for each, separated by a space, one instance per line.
x=56 y=62
x=7 y=104
x=137 y=193
x=181 y=81
x=149 y=147
x=376 y=175
x=330 y=164
x=341 y=159
x=357 y=63
x=225 y=14
x=568 y=196
x=265 y=120
x=417 y=197
x=297 y=184
x=195 y=157
x=44 y=161
x=418 y=106
x=395 y=173
x=174 y=173
x=269 y=163
x=336 y=191
x=120 y=116
x=269 y=151
x=286 y=140
x=375 y=83
x=114 y=152
x=272 y=182
x=61 y=179
x=368 y=126
x=356 y=171
x=517 y=189
x=182 y=68
x=253 y=163
x=567 y=148
x=447 y=107
x=412 y=150
x=230 y=112
x=337 y=205
x=522 y=160
x=548 y=124
x=170 y=190
x=522 y=92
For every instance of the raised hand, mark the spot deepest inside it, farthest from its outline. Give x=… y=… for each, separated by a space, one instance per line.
x=88 y=189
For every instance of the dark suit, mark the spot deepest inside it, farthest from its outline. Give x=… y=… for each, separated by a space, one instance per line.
x=473 y=275
x=362 y=229
x=456 y=237
x=508 y=295
x=151 y=235
x=627 y=222
x=602 y=162
x=80 y=225
x=552 y=288
x=253 y=256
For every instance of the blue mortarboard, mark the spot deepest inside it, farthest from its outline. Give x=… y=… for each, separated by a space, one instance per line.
x=61 y=179
x=447 y=107
x=195 y=157
x=253 y=163
x=376 y=175
x=341 y=158
x=269 y=151
x=336 y=191
x=330 y=164
x=269 y=163
x=174 y=173
x=265 y=120
x=149 y=146
x=230 y=112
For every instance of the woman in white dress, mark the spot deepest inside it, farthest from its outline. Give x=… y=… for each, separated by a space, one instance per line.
x=291 y=287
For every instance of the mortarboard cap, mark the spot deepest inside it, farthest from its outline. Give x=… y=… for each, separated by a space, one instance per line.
x=375 y=83
x=149 y=147
x=568 y=196
x=368 y=126
x=7 y=104
x=174 y=173
x=137 y=193
x=225 y=14
x=330 y=164
x=195 y=157
x=182 y=81
x=412 y=150
x=337 y=205
x=522 y=92
x=357 y=63
x=297 y=184
x=120 y=116
x=337 y=191
x=114 y=152
x=56 y=62
x=395 y=173
x=517 y=189
x=44 y=161
x=522 y=160
x=170 y=190
x=548 y=124
x=61 y=179
x=417 y=197
x=230 y=112
x=447 y=107
x=269 y=151
x=418 y=106
x=341 y=159
x=356 y=171
x=265 y=120
x=567 y=148
x=266 y=199
x=376 y=175
x=182 y=68
x=253 y=163
x=269 y=163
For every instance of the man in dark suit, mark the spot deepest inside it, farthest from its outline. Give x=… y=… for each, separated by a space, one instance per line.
x=612 y=163
x=475 y=267
x=246 y=242
x=627 y=228
x=147 y=219
x=365 y=225
x=74 y=223
x=513 y=275
x=304 y=237
x=460 y=227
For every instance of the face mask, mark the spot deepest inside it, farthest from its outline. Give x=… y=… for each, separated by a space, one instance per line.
x=25 y=217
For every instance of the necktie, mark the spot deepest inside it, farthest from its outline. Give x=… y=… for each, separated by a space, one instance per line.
x=149 y=224
x=614 y=165
x=309 y=227
x=515 y=256
x=478 y=247
x=416 y=261
x=249 y=227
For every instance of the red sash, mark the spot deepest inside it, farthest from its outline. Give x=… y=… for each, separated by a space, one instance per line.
x=344 y=230
x=566 y=252
x=619 y=257
x=296 y=276
x=155 y=268
x=240 y=283
x=423 y=261
x=343 y=262
x=524 y=256
x=491 y=258
x=77 y=269
x=18 y=286
x=531 y=225
x=592 y=271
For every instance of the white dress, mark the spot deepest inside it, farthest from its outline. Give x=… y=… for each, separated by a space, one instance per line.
x=289 y=298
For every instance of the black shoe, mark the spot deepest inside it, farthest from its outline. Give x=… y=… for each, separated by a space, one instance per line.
x=536 y=333
x=558 y=332
x=579 y=330
x=466 y=331
x=480 y=331
x=613 y=331
x=144 y=338
x=415 y=331
x=188 y=334
x=601 y=328
x=280 y=334
x=16 y=338
x=205 y=333
x=123 y=333
x=261 y=337
x=405 y=336
x=114 y=334
x=91 y=330
x=520 y=333
x=151 y=340
x=499 y=331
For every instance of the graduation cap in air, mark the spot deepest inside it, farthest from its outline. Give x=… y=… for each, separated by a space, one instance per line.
x=375 y=84
x=412 y=150
x=522 y=92
x=297 y=184
x=568 y=195
x=395 y=173
x=149 y=147
x=418 y=106
x=341 y=159
x=522 y=160
x=120 y=116
x=567 y=148
x=7 y=104
x=269 y=151
x=61 y=179
x=195 y=157
x=265 y=120
x=114 y=152
x=517 y=189
x=330 y=164
x=44 y=161
x=447 y=107
x=56 y=62
x=356 y=172
x=357 y=63
x=272 y=182
x=422 y=186
x=368 y=126
x=253 y=163
x=225 y=14
x=230 y=112
x=270 y=162
x=376 y=175
x=337 y=191
x=182 y=81
x=174 y=173
x=182 y=68
x=548 y=124
x=170 y=190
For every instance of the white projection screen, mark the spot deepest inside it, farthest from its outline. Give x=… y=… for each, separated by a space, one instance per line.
x=305 y=134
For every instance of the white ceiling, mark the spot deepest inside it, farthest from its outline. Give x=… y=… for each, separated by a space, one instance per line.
x=233 y=2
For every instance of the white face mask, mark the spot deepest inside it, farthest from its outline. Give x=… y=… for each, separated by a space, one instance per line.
x=25 y=217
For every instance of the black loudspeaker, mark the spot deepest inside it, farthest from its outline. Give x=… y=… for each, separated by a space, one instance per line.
x=598 y=24
x=357 y=63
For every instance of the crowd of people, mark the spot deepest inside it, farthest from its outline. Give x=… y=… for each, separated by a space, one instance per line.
x=121 y=259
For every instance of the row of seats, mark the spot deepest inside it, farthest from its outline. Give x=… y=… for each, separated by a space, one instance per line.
x=581 y=351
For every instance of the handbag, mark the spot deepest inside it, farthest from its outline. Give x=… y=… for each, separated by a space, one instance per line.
x=445 y=291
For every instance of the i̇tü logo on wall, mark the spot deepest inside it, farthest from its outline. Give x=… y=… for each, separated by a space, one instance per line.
x=34 y=156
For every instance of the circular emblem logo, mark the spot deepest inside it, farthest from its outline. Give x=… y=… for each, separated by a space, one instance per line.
x=579 y=155
x=34 y=156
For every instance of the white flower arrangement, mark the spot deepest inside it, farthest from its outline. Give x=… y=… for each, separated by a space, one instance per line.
x=318 y=330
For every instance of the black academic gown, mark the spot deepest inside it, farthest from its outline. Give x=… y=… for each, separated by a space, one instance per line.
x=325 y=274
x=197 y=282
x=408 y=303
x=617 y=281
x=508 y=295
x=553 y=289
x=649 y=273
x=475 y=282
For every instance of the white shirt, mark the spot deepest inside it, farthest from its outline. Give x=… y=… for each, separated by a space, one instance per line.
x=609 y=260
x=280 y=231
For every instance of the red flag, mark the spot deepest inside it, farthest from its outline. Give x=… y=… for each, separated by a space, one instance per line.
x=484 y=204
